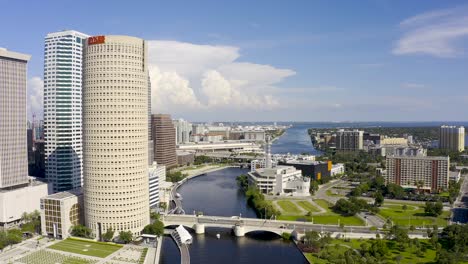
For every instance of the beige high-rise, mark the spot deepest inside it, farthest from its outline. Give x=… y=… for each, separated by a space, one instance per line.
x=13 y=141
x=115 y=134
x=452 y=138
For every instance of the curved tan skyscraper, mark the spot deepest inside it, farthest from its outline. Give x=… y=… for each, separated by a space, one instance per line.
x=115 y=134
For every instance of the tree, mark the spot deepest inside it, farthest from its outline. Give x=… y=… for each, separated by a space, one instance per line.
x=126 y=236
x=14 y=236
x=379 y=199
x=108 y=235
x=404 y=207
x=314 y=186
x=434 y=209
x=156 y=228
x=154 y=216
x=81 y=231
x=398 y=234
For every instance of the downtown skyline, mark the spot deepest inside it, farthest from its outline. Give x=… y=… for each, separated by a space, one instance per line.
x=272 y=61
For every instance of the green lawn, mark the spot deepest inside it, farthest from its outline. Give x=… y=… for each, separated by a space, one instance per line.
x=333 y=193
x=413 y=216
x=324 y=204
x=307 y=206
x=84 y=247
x=288 y=207
x=408 y=255
x=328 y=218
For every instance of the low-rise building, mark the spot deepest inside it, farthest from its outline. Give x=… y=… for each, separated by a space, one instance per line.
x=336 y=169
x=281 y=180
x=394 y=141
x=254 y=135
x=60 y=212
x=317 y=170
x=17 y=200
x=185 y=158
x=455 y=176
x=220 y=146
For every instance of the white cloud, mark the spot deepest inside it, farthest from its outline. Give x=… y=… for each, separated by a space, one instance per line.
x=35 y=97
x=189 y=77
x=437 y=33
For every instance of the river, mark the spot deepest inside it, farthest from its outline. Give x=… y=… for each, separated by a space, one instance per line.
x=217 y=193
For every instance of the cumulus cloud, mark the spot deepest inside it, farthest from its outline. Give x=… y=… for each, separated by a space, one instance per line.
x=437 y=33
x=35 y=96
x=192 y=77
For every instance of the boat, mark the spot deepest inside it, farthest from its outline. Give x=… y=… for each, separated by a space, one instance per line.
x=218 y=236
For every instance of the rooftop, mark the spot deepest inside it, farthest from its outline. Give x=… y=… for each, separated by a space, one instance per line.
x=66 y=194
x=14 y=55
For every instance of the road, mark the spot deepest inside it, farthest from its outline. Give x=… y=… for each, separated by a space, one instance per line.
x=460 y=206
x=255 y=224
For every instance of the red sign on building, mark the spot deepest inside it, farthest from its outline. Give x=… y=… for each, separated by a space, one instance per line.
x=96 y=40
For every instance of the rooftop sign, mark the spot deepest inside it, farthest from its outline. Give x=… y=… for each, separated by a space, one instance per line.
x=96 y=40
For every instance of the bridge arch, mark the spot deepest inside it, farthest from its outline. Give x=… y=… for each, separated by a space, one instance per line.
x=258 y=231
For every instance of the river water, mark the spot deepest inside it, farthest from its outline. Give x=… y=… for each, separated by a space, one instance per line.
x=217 y=193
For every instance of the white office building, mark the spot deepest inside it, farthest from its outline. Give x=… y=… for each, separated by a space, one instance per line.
x=336 y=169
x=63 y=56
x=183 y=131
x=278 y=180
x=157 y=175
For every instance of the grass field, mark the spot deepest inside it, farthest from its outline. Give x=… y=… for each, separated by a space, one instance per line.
x=328 y=218
x=408 y=255
x=289 y=208
x=307 y=206
x=413 y=216
x=88 y=248
x=333 y=193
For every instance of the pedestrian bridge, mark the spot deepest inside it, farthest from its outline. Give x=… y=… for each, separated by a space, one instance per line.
x=242 y=226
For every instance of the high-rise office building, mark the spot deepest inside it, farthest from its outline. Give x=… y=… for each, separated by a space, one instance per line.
x=183 y=131
x=452 y=138
x=13 y=139
x=115 y=134
x=18 y=192
x=428 y=173
x=349 y=140
x=164 y=138
x=63 y=54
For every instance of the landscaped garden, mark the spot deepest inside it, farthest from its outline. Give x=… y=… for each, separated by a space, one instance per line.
x=327 y=218
x=86 y=247
x=47 y=257
x=411 y=214
x=423 y=253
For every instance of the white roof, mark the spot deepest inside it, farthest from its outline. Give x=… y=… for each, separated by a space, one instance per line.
x=184 y=235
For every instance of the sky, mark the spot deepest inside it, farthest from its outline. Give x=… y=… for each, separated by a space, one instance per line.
x=272 y=60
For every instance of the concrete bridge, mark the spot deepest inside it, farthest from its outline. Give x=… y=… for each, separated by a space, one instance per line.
x=242 y=226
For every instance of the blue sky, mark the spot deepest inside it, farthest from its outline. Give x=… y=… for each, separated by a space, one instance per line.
x=275 y=60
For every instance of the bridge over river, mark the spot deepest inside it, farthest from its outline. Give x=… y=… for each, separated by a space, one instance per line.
x=242 y=226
